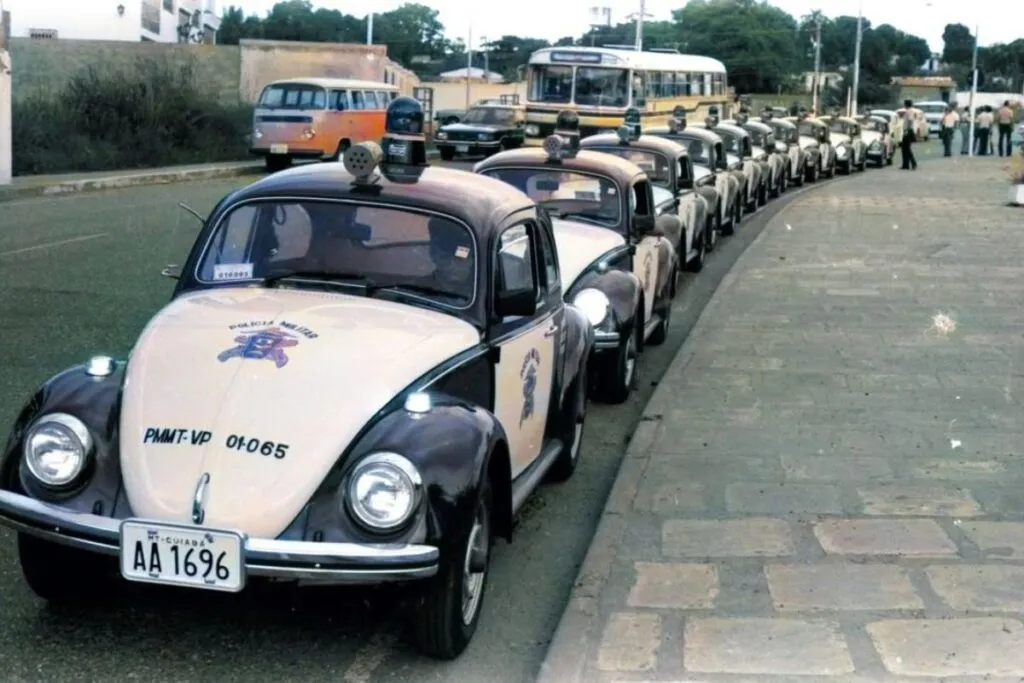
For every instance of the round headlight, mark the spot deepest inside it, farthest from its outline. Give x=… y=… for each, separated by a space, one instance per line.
x=383 y=491
x=594 y=304
x=56 y=449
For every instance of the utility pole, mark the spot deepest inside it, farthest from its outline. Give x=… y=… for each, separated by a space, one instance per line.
x=369 y=28
x=486 y=49
x=817 y=64
x=469 y=62
x=856 y=59
x=640 y=26
x=974 y=91
x=5 y=98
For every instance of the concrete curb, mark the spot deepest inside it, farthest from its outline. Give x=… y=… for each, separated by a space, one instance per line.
x=120 y=179
x=573 y=643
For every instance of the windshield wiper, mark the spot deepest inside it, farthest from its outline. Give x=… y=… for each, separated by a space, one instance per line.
x=274 y=277
x=421 y=289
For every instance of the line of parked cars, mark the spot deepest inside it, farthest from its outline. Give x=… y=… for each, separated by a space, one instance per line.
x=367 y=367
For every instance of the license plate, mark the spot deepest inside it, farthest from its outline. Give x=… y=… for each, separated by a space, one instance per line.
x=172 y=555
x=462 y=148
x=279 y=149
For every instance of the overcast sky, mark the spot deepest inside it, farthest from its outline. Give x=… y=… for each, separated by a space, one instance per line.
x=1000 y=22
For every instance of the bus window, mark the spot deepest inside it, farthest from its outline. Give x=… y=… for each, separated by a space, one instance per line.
x=602 y=87
x=339 y=100
x=293 y=96
x=358 y=101
x=372 y=101
x=550 y=83
x=383 y=99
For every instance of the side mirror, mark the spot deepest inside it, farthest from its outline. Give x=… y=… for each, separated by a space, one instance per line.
x=646 y=225
x=686 y=183
x=516 y=302
x=172 y=271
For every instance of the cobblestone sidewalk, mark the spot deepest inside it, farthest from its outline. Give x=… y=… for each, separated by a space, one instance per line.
x=827 y=484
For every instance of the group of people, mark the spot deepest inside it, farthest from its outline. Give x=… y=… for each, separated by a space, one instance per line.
x=986 y=124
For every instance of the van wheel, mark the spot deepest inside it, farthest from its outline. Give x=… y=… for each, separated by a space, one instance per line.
x=447 y=616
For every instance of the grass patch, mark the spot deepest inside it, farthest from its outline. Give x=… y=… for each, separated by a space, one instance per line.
x=151 y=112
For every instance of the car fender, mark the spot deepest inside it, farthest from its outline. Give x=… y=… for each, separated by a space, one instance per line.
x=96 y=401
x=453 y=446
x=579 y=341
x=622 y=288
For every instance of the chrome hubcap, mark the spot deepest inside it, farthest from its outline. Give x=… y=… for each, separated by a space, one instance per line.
x=630 y=360
x=473 y=582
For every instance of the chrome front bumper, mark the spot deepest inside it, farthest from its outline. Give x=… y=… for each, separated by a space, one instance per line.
x=606 y=340
x=307 y=561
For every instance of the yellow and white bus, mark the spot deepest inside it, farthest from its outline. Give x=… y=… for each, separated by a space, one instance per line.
x=600 y=83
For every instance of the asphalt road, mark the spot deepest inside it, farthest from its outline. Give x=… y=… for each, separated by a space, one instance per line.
x=80 y=275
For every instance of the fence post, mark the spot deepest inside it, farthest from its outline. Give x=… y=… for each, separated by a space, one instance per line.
x=5 y=99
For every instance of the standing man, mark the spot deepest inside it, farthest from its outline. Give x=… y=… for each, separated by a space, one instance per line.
x=947 y=129
x=909 y=137
x=965 y=131
x=1005 y=120
x=983 y=127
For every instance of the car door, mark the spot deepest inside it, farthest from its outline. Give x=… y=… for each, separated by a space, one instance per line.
x=692 y=208
x=524 y=372
x=645 y=260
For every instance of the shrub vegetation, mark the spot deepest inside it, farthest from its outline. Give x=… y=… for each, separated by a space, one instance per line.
x=153 y=112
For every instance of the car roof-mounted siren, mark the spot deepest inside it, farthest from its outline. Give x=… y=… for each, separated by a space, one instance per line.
x=631 y=128
x=362 y=160
x=712 y=119
x=677 y=122
x=566 y=138
x=767 y=114
x=404 y=143
x=743 y=115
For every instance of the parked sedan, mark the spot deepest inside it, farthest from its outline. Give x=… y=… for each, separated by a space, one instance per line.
x=874 y=131
x=763 y=137
x=738 y=143
x=787 y=141
x=851 y=152
x=816 y=131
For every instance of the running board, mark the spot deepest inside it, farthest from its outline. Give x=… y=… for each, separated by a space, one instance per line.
x=528 y=481
x=652 y=324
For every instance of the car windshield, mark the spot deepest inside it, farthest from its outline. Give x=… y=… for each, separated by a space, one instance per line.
x=871 y=124
x=490 y=115
x=840 y=127
x=568 y=194
x=699 y=150
x=550 y=83
x=933 y=107
x=808 y=129
x=655 y=165
x=732 y=143
x=758 y=138
x=785 y=133
x=366 y=246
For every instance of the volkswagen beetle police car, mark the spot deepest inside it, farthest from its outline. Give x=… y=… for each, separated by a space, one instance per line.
x=618 y=263
x=364 y=370
x=670 y=170
x=712 y=165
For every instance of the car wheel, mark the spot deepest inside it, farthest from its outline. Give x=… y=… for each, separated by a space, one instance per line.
x=447 y=153
x=449 y=612
x=726 y=227
x=762 y=194
x=714 y=228
x=618 y=379
x=572 y=437
x=697 y=264
x=60 y=574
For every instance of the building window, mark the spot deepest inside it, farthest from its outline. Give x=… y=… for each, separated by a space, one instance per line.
x=151 y=15
x=43 y=33
x=169 y=6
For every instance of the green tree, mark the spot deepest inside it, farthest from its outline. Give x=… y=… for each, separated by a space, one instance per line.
x=957 y=45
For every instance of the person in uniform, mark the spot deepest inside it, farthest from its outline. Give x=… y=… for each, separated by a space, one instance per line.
x=947 y=129
x=1004 y=118
x=965 y=130
x=909 y=136
x=983 y=128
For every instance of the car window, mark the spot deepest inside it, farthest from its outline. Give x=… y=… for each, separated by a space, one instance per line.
x=550 y=262
x=515 y=260
x=567 y=194
x=293 y=96
x=386 y=245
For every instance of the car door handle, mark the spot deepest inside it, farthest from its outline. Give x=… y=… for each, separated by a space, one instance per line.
x=550 y=332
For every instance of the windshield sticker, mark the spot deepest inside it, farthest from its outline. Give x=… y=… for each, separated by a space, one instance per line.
x=176 y=435
x=462 y=252
x=232 y=271
x=266 y=344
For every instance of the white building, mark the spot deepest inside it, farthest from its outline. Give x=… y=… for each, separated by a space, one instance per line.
x=127 y=20
x=475 y=74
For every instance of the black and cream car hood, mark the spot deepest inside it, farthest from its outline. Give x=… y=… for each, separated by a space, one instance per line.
x=263 y=390
x=579 y=245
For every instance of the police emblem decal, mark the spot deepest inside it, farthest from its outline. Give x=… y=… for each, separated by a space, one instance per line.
x=528 y=374
x=265 y=344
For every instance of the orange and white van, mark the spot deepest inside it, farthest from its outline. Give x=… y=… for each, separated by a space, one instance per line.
x=317 y=118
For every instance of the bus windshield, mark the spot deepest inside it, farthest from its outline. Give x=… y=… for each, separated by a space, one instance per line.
x=596 y=87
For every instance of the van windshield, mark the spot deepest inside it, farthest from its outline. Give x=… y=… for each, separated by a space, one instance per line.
x=293 y=96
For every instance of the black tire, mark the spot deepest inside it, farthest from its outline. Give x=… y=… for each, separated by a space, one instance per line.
x=276 y=162
x=440 y=628
x=762 y=194
x=572 y=436
x=343 y=146
x=697 y=264
x=617 y=378
x=60 y=574
x=811 y=174
x=714 y=230
x=447 y=153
